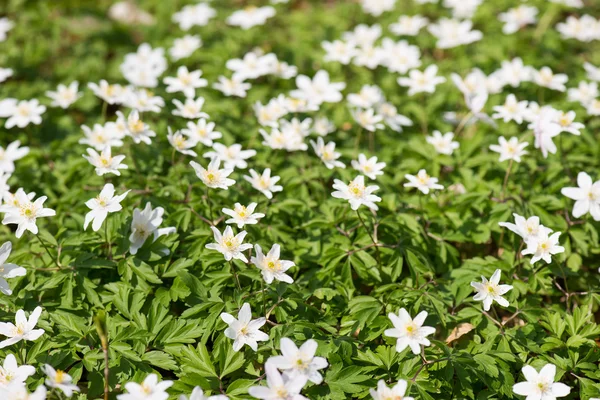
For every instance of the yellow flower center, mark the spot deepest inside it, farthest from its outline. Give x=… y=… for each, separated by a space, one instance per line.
x=137 y=126
x=23 y=110
x=60 y=376
x=101 y=201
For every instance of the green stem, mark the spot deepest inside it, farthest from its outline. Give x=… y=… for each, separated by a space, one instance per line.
x=47 y=251
x=104 y=109
x=235 y=275
x=108 y=241
x=372 y=238
x=510 y=163
x=210 y=216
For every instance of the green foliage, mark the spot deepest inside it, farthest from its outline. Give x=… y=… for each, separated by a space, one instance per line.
x=161 y=313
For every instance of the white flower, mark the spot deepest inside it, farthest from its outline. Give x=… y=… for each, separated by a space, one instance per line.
x=194 y=15
x=112 y=94
x=526 y=228
x=514 y=72
x=422 y=182
x=244 y=329
x=279 y=387
x=369 y=56
x=198 y=394
x=282 y=69
x=327 y=153
x=419 y=82
x=408 y=25
x=251 y=16
x=230 y=245
x=541 y=386
x=400 y=56
x=593 y=108
x=369 y=167
x=544 y=129
x=271 y=266
x=145 y=223
x=569 y=3
x=5 y=26
x=319 y=89
x=232 y=87
x=509 y=150
x=511 y=110
x=13 y=375
x=232 y=156
x=12 y=153
x=286 y=139
x=356 y=193
x=100 y=137
x=265 y=183
x=463 y=9
x=143 y=67
x=202 y=132
x=137 y=129
x=252 y=66
x=566 y=121
x=584 y=29
x=443 y=144
x=25 y=112
x=65 y=95
x=451 y=33
x=5 y=73
x=105 y=163
x=593 y=72
x=26 y=212
x=516 y=18
x=192 y=109
x=299 y=362
x=584 y=93
x=106 y=202
x=542 y=246
x=269 y=114
x=213 y=176
x=398 y=391
x=22 y=329
x=185 y=47
x=339 y=51
x=8 y=270
x=369 y=96
x=391 y=117
x=19 y=392
x=322 y=126
x=586 y=196
x=410 y=332
x=60 y=380
x=242 y=215
x=180 y=143
x=377 y=7
x=143 y=100
x=368 y=119
x=490 y=291
x=186 y=82
x=363 y=35
x=296 y=127
x=475 y=83
x=150 y=389
x=546 y=78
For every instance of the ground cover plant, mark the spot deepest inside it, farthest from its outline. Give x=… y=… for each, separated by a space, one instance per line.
x=387 y=199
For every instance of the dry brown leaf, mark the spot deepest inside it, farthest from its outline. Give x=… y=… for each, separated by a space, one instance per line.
x=459 y=330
